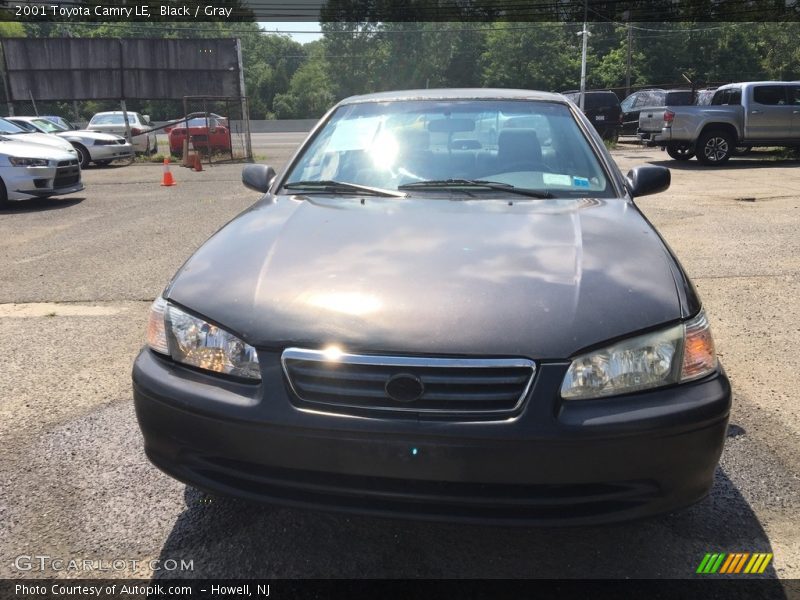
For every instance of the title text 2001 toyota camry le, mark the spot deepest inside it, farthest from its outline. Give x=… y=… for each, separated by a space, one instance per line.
x=447 y=306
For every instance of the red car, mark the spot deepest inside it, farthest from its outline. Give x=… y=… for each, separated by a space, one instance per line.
x=212 y=133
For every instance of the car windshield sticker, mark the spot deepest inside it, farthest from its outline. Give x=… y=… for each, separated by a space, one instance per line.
x=580 y=182
x=556 y=179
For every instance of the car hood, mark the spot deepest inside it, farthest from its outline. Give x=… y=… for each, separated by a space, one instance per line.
x=21 y=149
x=85 y=134
x=536 y=278
x=43 y=139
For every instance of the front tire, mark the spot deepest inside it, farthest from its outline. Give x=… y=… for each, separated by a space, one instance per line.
x=3 y=195
x=680 y=151
x=83 y=155
x=715 y=147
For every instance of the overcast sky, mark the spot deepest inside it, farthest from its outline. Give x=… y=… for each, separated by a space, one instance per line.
x=303 y=38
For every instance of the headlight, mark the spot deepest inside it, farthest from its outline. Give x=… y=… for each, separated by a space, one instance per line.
x=680 y=353
x=193 y=341
x=27 y=162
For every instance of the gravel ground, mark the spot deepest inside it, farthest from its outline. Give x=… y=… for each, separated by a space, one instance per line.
x=77 y=276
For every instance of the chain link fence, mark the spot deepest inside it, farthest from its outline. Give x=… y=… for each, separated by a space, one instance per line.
x=217 y=128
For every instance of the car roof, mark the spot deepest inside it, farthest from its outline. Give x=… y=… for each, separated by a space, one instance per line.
x=587 y=92
x=116 y=112
x=741 y=83
x=455 y=94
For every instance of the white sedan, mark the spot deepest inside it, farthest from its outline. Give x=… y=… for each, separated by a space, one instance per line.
x=142 y=135
x=92 y=146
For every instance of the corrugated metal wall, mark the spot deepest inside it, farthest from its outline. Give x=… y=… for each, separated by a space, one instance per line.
x=104 y=69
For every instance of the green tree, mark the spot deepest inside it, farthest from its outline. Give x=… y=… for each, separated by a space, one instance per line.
x=543 y=56
x=311 y=90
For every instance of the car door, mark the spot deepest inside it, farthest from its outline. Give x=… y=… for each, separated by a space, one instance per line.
x=769 y=116
x=630 y=115
x=794 y=102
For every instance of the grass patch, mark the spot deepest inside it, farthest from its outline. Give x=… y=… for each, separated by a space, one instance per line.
x=153 y=158
x=610 y=144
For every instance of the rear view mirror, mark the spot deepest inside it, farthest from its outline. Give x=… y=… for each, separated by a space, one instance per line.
x=258 y=177
x=648 y=180
x=451 y=125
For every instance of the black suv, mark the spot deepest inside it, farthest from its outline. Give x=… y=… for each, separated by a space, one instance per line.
x=633 y=105
x=602 y=109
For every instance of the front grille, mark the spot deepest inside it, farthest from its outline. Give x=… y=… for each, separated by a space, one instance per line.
x=357 y=384
x=67 y=173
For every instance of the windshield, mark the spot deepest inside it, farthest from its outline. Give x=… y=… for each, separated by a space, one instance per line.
x=531 y=145
x=28 y=127
x=48 y=126
x=8 y=127
x=112 y=119
x=704 y=97
x=198 y=122
x=681 y=98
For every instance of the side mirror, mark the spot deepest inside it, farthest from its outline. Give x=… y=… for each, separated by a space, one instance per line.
x=258 y=177
x=647 y=180
x=146 y=119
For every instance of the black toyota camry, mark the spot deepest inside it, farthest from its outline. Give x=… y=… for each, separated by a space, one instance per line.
x=446 y=306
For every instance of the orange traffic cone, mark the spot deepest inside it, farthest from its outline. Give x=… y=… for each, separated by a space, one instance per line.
x=198 y=164
x=167 y=180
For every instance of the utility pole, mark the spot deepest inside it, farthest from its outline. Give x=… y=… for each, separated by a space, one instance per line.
x=585 y=34
x=628 y=71
x=248 y=144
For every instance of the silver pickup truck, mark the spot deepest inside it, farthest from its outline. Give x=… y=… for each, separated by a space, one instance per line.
x=760 y=113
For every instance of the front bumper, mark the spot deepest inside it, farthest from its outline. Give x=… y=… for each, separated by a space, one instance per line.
x=111 y=151
x=23 y=183
x=566 y=462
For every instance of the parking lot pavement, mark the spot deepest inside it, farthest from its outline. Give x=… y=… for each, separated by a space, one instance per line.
x=77 y=276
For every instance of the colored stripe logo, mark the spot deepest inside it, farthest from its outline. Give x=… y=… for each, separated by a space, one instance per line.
x=734 y=563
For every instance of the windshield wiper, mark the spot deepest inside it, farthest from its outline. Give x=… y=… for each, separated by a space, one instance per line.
x=332 y=186
x=491 y=185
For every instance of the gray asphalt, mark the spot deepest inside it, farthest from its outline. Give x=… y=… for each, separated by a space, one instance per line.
x=76 y=279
